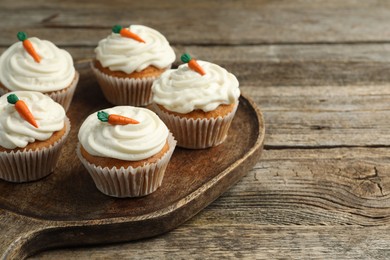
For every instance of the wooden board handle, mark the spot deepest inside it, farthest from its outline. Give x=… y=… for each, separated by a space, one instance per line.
x=17 y=231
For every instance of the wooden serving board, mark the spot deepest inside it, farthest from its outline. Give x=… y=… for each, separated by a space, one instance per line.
x=66 y=209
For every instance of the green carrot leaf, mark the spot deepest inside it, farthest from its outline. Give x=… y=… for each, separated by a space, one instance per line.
x=185 y=58
x=116 y=28
x=103 y=116
x=12 y=99
x=21 y=36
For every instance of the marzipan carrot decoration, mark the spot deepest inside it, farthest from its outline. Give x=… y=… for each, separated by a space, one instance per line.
x=192 y=63
x=126 y=33
x=115 y=119
x=22 y=36
x=22 y=109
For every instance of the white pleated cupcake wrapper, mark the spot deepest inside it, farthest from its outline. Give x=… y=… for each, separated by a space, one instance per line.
x=197 y=133
x=63 y=97
x=129 y=182
x=125 y=91
x=31 y=165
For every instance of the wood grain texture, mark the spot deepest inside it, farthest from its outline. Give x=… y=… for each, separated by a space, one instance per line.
x=295 y=203
x=76 y=213
x=290 y=65
x=238 y=241
x=330 y=116
x=202 y=22
x=318 y=70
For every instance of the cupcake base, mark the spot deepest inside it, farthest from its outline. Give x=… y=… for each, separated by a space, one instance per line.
x=198 y=133
x=125 y=91
x=31 y=165
x=63 y=97
x=129 y=182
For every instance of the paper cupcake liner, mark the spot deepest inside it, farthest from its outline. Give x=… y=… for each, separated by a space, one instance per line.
x=197 y=133
x=125 y=91
x=31 y=165
x=65 y=96
x=129 y=182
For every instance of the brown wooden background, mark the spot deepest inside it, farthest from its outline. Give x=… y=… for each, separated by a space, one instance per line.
x=319 y=70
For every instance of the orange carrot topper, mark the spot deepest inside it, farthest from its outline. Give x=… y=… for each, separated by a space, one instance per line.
x=22 y=109
x=115 y=119
x=22 y=36
x=192 y=63
x=126 y=33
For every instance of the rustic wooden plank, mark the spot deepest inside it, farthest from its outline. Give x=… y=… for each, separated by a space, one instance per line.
x=202 y=22
x=300 y=201
x=301 y=65
x=327 y=116
x=290 y=65
x=310 y=187
x=298 y=114
x=333 y=201
x=147 y=4
x=250 y=241
x=327 y=129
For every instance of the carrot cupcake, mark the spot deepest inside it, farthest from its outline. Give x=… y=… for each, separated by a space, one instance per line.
x=125 y=150
x=128 y=61
x=33 y=129
x=197 y=102
x=38 y=65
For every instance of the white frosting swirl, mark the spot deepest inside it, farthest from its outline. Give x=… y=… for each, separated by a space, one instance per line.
x=184 y=90
x=19 y=71
x=17 y=132
x=128 y=55
x=132 y=142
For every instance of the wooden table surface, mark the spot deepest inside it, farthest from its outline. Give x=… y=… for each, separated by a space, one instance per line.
x=319 y=72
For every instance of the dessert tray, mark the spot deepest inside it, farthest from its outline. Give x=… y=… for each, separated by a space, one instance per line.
x=66 y=209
